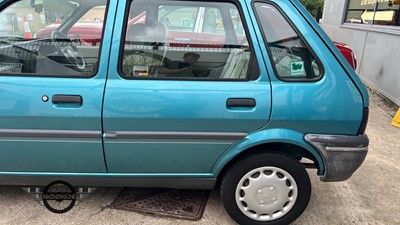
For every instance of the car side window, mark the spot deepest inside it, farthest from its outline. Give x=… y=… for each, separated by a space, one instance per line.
x=292 y=58
x=51 y=38
x=183 y=41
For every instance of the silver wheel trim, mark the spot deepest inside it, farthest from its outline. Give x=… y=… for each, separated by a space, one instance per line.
x=266 y=193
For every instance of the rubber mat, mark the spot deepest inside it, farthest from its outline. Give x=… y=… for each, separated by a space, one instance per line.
x=179 y=204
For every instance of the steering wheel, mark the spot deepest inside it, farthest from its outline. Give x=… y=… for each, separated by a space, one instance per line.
x=67 y=49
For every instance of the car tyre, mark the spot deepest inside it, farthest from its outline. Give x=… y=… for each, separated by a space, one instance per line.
x=265 y=188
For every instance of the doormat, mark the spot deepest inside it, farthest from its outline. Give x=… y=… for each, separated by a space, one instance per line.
x=179 y=204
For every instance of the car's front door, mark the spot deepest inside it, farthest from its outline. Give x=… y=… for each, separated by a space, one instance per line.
x=51 y=90
x=165 y=114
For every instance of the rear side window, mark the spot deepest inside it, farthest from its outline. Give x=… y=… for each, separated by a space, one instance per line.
x=185 y=40
x=292 y=58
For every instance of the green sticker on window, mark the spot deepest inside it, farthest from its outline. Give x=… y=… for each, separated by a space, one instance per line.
x=297 y=68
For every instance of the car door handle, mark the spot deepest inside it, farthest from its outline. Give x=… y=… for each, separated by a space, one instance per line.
x=241 y=102
x=67 y=99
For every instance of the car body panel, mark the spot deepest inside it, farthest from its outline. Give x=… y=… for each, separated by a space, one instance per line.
x=43 y=136
x=173 y=107
x=144 y=130
x=39 y=151
x=323 y=113
x=339 y=57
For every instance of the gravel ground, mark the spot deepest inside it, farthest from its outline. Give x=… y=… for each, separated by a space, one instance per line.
x=384 y=103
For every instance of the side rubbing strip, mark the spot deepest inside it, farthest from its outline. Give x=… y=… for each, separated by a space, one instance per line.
x=49 y=133
x=176 y=135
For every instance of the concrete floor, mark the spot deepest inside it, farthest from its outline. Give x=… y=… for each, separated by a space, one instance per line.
x=371 y=196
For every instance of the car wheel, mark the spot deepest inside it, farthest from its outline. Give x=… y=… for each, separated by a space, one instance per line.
x=266 y=188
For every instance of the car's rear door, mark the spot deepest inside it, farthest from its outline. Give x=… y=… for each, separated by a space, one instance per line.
x=51 y=98
x=177 y=122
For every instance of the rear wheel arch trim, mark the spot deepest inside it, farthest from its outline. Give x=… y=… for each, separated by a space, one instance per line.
x=263 y=140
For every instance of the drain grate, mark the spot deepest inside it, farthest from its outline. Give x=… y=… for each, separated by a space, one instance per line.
x=180 y=204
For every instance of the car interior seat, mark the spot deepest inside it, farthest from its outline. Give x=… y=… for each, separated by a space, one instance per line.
x=145 y=49
x=237 y=65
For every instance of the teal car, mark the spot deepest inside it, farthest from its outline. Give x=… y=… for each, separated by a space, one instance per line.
x=247 y=99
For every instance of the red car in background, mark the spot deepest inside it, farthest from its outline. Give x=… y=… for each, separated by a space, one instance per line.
x=85 y=33
x=347 y=53
x=90 y=33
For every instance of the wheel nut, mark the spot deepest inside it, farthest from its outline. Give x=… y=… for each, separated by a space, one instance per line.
x=272 y=189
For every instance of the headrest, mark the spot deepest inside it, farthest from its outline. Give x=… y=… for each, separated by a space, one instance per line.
x=150 y=32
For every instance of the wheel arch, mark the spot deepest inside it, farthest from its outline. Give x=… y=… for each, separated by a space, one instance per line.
x=276 y=140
